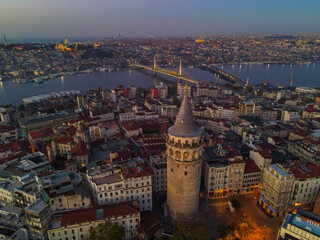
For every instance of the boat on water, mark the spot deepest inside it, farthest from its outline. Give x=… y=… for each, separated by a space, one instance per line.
x=38 y=80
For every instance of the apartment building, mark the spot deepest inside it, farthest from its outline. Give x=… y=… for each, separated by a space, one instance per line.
x=215 y=174
x=303 y=225
x=7 y=134
x=7 y=191
x=288 y=116
x=306 y=185
x=76 y=225
x=119 y=185
x=38 y=217
x=268 y=114
x=252 y=177
x=249 y=109
x=276 y=190
x=158 y=165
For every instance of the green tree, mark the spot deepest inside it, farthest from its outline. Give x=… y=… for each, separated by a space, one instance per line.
x=107 y=231
x=187 y=231
x=235 y=203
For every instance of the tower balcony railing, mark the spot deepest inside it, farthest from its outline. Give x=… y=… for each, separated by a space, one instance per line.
x=194 y=145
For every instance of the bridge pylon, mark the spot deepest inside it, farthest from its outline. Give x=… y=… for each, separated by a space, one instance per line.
x=154 y=62
x=180 y=69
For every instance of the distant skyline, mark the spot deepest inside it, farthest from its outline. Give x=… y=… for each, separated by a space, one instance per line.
x=135 y=18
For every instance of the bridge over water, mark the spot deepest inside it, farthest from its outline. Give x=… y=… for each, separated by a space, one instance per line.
x=221 y=73
x=224 y=75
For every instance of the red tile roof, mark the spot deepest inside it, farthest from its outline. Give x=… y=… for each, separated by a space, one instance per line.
x=123 y=155
x=137 y=172
x=13 y=157
x=310 y=108
x=16 y=146
x=40 y=133
x=80 y=149
x=310 y=170
x=5 y=128
x=44 y=174
x=90 y=214
x=64 y=140
x=131 y=126
x=251 y=166
x=71 y=130
x=264 y=153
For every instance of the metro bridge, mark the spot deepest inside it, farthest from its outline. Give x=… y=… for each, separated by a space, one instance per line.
x=225 y=75
x=221 y=73
x=170 y=73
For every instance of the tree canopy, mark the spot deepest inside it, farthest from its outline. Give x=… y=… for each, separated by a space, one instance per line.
x=186 y=231
x=243 y=228
x=107 y=231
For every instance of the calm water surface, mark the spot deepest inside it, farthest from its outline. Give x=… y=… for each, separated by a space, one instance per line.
x=305 y=75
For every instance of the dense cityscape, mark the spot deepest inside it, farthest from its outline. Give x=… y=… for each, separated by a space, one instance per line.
x=156 y=120
x=237 y=160
x=23 y=63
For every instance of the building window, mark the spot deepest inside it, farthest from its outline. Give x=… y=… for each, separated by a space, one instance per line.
x=171 y=169
x=185 y=173
x=186 y=155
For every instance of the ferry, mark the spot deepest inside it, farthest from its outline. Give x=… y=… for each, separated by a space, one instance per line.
x=38 y=80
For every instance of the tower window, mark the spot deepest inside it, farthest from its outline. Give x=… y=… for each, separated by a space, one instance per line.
x=187 y=142
x=179 y=154
x=186 y=155
x=193 y=154
x=171 y=169
x=185 y=173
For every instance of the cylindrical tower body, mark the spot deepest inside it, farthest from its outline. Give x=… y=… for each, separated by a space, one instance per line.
x=184 y=155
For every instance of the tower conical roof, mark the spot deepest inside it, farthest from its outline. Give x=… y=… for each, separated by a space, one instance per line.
x=185 y=125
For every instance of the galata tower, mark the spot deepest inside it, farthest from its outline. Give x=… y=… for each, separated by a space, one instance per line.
x=184 y=154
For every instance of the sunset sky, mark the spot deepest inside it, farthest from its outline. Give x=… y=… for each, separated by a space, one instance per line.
x=106 y=18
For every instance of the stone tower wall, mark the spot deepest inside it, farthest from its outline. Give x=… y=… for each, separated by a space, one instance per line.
x=183 y=189
x=183 y=177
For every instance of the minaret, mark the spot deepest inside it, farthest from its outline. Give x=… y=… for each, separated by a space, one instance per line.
x=5 y=41
x=184 y=155
x=292 y=79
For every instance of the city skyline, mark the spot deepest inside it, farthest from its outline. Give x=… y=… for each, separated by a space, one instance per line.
x=35 y=18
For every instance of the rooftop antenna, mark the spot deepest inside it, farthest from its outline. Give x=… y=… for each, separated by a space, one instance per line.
x=292 y=79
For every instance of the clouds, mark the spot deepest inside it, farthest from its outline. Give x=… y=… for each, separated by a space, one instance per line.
x=92 y=18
